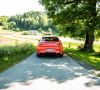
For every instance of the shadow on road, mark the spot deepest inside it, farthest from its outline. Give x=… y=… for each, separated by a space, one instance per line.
x=50 y=68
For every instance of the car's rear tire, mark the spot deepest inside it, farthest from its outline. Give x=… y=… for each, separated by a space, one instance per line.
x=60 y=55
x=38 y=55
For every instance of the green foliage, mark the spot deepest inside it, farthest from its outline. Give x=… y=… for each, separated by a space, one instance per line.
x=5 y=26
x=76 y=18
x=12 y=54
x=25 y=33
x=97 y=34
x=73 y=30
x=3 y=19
x=73 y=17
x=12 y=25
x=30 y=21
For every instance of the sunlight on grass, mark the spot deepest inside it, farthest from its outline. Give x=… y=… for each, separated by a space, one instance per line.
x=90 y=58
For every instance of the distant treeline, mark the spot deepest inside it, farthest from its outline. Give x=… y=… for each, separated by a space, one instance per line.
x=27 y=21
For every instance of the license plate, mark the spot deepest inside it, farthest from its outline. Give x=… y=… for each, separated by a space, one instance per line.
x=50 y=50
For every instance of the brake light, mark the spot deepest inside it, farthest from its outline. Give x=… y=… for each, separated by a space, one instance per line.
x=58 y=43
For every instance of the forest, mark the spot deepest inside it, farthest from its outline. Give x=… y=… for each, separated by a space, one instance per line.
x=28 y=21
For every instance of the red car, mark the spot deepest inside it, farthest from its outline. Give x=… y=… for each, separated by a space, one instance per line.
x=49 y=45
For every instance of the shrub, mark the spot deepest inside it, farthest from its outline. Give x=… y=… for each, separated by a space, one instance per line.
x=25 y=33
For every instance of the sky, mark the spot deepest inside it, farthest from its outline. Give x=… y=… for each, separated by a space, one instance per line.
x=13 y=7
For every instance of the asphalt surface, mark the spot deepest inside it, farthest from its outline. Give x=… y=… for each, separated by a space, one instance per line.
x=48 y=73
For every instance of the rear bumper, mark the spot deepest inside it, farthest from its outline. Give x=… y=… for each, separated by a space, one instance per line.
x=44 y=51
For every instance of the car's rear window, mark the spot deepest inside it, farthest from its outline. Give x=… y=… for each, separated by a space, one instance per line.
x=50 y=39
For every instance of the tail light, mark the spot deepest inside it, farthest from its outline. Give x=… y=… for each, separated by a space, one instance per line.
x=40 y=43
x=59 y=43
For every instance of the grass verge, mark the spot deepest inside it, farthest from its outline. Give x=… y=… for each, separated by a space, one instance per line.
x=12 y=54
x=90 y=58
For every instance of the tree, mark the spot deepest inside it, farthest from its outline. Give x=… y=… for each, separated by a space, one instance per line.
x=3 y=20
x=72 y=14
x=12 y=25
x=30 y=21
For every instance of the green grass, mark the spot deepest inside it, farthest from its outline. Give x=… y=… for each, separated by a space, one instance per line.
x=97 y=47
x=91 y=58
x=12 y=54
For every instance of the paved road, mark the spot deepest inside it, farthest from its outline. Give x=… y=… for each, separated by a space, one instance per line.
x=48 y=73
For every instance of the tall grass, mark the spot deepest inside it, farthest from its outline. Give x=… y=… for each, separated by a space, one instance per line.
x=12 y=54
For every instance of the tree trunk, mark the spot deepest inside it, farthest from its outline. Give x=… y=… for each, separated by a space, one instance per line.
x=90 y=26
x=88 y=46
